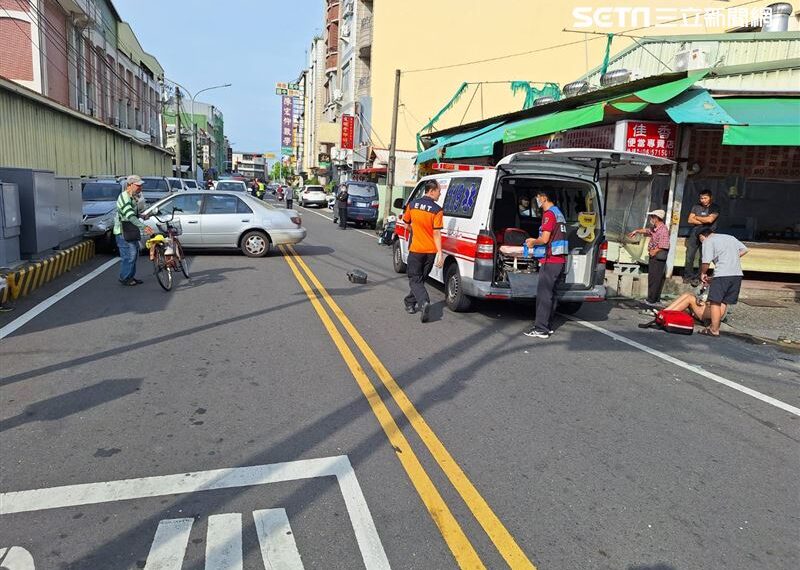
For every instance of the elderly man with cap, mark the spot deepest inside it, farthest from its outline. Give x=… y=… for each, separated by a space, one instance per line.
x=127 y=229
x=657 y=249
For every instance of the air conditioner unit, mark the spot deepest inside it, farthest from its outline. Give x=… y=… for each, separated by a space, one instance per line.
x=337 y=94
x=690 y=59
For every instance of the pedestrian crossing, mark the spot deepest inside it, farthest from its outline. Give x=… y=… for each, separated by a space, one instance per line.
x=224 y=542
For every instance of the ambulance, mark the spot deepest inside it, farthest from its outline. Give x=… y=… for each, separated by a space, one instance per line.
x=488 y=214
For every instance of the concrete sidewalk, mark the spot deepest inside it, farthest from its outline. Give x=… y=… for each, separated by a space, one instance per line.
x=767 y=310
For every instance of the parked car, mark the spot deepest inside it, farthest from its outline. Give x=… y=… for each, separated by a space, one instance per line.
x=313 y=195
x=481 y=208
x=214 y=219
x=362 y=203
x=231 y=186
x=189 y=184
x=176 y=184
x=154 y=188
x=99 y=208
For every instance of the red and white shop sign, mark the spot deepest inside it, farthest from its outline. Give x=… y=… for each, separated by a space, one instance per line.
x=348 y=124
x=647 y=137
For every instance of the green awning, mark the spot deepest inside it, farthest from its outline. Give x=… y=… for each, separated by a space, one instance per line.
x=435 y=152
x=554 y=122
x=699 y=107
x=480 y=145
x=665 y=92
x=767 y=122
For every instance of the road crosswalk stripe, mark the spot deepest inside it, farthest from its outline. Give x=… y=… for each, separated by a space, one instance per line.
x=278 y=547
x=169 y=545
x=224 y=542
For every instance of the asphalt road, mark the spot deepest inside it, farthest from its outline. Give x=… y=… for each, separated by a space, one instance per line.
x=272 y=404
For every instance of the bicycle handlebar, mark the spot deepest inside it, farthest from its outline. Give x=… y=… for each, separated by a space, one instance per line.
x=172 y=217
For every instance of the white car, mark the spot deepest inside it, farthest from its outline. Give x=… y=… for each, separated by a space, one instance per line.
x=313 y=195
x=176 y=184
x=212 y=219
x=189 y=184
x=230 y=186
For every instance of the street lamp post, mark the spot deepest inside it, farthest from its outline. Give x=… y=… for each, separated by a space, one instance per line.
x=194 y=128
x=193 y=159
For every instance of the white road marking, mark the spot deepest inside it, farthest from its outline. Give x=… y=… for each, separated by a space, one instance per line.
x=49 y=302
x=224 y=542
x=366 y=534
x=690 y=367
x=16 y=558
x=373 y=236
x=278 y=547
x=169 y=545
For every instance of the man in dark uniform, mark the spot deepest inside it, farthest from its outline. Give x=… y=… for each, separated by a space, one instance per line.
x=702 y=217
x=341 y=207
x=424 y=218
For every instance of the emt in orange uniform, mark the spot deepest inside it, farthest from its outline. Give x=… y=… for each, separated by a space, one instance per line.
x=424 y=218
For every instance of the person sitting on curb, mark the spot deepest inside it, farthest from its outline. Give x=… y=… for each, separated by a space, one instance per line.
x=695 y=306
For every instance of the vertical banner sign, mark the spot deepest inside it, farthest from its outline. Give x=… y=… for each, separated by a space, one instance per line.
x=287 y=116
x=348 y=124
x=652 y=138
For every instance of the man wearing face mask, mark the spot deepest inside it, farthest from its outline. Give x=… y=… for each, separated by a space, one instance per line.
x=127 y=230
x=551 y=248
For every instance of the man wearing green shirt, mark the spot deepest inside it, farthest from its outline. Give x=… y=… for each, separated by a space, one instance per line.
x=128 y=211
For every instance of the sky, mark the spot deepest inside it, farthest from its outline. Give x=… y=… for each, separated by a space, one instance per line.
x=251 y=44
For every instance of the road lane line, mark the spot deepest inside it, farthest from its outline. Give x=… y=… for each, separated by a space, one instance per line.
x=211 y=480
x=451 y=530
x=224 y=542
x=500 y=536
x=275 y=536
x=169 y=545
x=690 y=367
x=373 y=236
x=49 y=302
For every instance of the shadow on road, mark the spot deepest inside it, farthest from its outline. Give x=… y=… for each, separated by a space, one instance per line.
x=59 y=407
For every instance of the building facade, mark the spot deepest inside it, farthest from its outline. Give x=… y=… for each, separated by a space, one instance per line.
x=81 y=54
x=249 y=164
x=209 y=123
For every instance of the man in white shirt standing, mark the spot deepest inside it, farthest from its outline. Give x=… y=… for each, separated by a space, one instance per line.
x=725 y=252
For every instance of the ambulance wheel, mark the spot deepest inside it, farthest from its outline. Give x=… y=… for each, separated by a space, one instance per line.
x=455 y=298
x=569 y=307
x=397 y=258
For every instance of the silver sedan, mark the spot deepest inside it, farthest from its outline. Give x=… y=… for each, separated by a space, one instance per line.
x=228 y=220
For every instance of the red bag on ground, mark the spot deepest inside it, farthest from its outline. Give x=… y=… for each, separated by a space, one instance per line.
x=675 y=321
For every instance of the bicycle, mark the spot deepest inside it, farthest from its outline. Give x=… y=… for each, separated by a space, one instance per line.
x=167 y=252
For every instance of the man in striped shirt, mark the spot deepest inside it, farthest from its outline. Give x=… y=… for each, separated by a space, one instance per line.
x=128 y=211
x=657 y=249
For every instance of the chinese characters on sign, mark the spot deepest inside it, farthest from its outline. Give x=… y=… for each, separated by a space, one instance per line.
x=348 y=122
x=652 y=138
x=290 y=89
x=287 y=123
x=671 y=17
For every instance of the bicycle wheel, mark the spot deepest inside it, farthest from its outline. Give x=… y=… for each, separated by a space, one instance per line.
x=181 y=257
x=163 y=272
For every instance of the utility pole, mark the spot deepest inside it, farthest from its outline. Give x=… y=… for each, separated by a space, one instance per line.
x=178 y=129
x=390 y=170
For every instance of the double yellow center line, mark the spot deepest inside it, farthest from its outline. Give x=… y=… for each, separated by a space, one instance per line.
x=462 y=549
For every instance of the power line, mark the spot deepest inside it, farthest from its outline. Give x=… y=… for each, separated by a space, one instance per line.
x=50 y=34
x=556 y=46
x=34 y=44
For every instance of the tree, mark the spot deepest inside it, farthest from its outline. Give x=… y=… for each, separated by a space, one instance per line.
x=280 y=171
